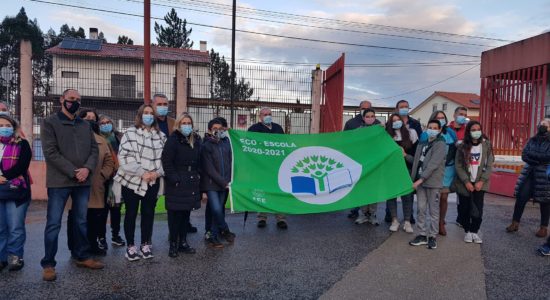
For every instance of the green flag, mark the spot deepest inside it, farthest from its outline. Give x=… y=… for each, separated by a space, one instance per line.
x=315 y=173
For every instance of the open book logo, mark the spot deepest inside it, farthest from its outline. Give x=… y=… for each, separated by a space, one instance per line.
x=318 y=175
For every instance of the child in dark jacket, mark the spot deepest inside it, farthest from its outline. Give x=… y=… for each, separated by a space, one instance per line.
x=215 y=178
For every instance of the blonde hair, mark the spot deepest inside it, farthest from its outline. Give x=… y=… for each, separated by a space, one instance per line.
x=185 y=115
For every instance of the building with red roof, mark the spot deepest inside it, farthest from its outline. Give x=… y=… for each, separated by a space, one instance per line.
x=447 y=102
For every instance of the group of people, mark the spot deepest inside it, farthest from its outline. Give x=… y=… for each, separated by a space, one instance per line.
x=446 y=157
x=100 y=169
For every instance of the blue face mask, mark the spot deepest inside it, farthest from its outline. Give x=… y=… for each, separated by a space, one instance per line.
x=268 y=120
x=404 y=111
x=224 y=134
x=148 y=119
x=4 y=113
x=442 y=122
x=6 y=131
x=461 y=120
x=186 y=129
x=397 y=124
x=475 y=134
x=162 y=110
x=106 y=128
x=432 y=133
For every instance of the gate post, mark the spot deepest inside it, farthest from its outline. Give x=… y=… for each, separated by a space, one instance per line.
x=26 y=90
x=316 y=95
x=181 y=87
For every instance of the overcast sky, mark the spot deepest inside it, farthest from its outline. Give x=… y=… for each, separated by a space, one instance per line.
x=495 y=19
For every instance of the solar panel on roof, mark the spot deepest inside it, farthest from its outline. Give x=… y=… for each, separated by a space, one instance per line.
x=80 y=44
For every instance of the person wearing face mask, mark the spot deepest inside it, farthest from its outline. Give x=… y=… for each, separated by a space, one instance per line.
x=181 y=161
x=402 y=108
x=216 y=164
x=451 y=140
x=4 y=110
x=459 y=124
x=71 y=154
x=533 y=182
x=407 y=140
x=139 y=179
x=427 y=171
x=266 y=125
x=15 y=196
x=354 y=123
x=369 y=211
x=474 y=165
x=103 y=172
x=113 y=208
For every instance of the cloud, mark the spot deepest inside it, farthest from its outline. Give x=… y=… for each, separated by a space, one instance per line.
x=109 y=29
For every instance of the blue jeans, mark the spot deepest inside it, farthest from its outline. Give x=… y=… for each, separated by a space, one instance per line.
x=208 y=214
x=216 y=200
x=12 y=229
x=57 y=198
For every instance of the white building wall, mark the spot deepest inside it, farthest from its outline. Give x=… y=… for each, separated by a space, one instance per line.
x=424 y=112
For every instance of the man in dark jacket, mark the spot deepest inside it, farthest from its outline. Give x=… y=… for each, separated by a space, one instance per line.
x=71 y=154
x=266 y=125
x=402 y=108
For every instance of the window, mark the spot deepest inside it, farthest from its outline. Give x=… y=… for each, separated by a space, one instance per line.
x=68 y=74
x=444 y=107
x=123 y=86
x=434 y=107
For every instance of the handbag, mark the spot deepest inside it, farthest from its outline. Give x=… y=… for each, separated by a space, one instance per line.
x=13 y=192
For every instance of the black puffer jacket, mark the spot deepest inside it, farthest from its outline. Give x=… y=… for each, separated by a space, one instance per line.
x=181 y=167
x=215 y=164
x=536 y=156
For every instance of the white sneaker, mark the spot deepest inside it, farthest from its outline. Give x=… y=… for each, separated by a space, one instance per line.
x=469 y=238
x=373 y=220
x=361 y=219
x=394 y=225
x=476 y=238
x=408 y=227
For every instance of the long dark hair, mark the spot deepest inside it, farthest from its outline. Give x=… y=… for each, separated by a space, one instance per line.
x=468 y=141
x=434 y=117
x=406 y=141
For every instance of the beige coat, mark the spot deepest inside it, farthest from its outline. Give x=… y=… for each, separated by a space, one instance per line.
x=103 y=172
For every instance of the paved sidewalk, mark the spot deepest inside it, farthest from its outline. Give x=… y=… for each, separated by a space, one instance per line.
x=398 y=271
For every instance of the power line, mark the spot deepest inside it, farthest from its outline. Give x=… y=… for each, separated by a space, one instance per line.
x=294 y=16
x=317 y=27
x=271 y=35
x=429 y=86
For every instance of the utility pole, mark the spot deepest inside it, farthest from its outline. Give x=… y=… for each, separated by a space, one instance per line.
x=147 y=51
x=232 y=87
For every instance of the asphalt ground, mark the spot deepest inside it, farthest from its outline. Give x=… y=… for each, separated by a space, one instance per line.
x=316 y=256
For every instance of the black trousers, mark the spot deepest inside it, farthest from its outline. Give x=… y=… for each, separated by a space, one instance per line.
x=94 y=219
x=148 y=203
x=524 y=194
x=469 y=222
x=178 y=225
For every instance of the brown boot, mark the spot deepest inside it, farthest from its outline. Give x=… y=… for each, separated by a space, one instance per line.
x=543 y=232
x=49 y=274
x=90 y=264
x=442 y=230
x=513 y=227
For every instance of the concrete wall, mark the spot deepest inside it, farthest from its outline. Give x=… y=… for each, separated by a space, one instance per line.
x=38 y=174
x=424 y=112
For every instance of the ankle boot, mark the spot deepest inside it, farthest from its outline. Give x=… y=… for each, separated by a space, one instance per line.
x=513 y=227
x=173 y=252
x=185 y=248
x=543 y=231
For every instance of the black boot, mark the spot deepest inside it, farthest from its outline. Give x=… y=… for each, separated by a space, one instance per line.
x=173 y=252
x=185 y=248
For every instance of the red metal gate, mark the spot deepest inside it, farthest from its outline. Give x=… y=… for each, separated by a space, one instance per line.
x=332 y=105
x=512 y=104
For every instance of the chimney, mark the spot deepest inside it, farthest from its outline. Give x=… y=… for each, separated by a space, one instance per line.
x=203 y=46
x=94 y=33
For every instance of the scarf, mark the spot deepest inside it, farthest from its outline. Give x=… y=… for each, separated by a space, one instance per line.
x=9 y=160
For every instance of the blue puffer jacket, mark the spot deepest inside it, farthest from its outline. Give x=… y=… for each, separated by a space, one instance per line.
x=536 y=156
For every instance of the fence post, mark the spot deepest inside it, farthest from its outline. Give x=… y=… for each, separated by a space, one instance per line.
x=26 y=90
x=316 y=95
x=181 y=87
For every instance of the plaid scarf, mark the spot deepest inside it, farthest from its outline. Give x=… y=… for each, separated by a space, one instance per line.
x=9 y=160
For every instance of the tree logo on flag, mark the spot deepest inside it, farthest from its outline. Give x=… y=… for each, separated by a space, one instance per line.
x=318 y=175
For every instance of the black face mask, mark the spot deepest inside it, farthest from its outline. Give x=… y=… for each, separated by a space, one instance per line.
x=74 y=106
x=94 y=126
x=542 y=129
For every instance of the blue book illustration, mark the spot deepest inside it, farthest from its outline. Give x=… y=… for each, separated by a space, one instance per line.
x=338 y=180
x=303 y=185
